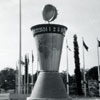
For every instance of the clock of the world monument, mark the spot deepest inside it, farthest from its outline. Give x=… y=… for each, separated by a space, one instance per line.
x=49 y=40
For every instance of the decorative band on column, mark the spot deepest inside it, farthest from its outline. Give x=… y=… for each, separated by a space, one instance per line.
x=49 y=28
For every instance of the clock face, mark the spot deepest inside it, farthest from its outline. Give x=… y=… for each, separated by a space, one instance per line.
x=49 y=13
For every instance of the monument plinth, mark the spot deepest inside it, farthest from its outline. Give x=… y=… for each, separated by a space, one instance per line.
x=49 y=41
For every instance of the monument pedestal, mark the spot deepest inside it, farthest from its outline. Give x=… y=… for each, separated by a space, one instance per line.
x=49 y=86
x=49 y=40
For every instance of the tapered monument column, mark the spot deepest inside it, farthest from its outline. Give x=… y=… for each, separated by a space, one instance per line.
x=49 y=41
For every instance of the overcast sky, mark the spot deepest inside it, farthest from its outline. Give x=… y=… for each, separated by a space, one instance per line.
x=82 y=17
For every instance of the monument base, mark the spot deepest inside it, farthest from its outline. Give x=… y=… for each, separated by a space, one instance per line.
x=49 y=86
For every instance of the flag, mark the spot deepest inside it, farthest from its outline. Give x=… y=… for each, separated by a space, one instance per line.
x=22 y=62
x=32 y=57
x=68 y=48
x=67 y=45
x=98 y=43
x=85 y=46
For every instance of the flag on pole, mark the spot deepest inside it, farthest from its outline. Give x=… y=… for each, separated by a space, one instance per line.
x=84 y=77
x=69 y=48
x=98 y=43
x=67 y=66
x=85 y=46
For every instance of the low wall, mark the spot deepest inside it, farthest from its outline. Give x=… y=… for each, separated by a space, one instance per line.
x=86 y=98
x=5 y=96
x=18 y=97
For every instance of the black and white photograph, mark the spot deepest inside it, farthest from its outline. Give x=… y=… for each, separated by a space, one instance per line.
x=49 y=49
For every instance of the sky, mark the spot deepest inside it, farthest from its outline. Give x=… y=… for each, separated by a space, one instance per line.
x=81 y=17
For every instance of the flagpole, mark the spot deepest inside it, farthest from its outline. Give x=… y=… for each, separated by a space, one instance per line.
x=67 y=68
x=16 y=77
x=84 y=79
x=37 y=65
x=28 y=75
x=19 y=75
x=32 y=68
x=24 y=82
x=98 y=67
x=27 y=83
